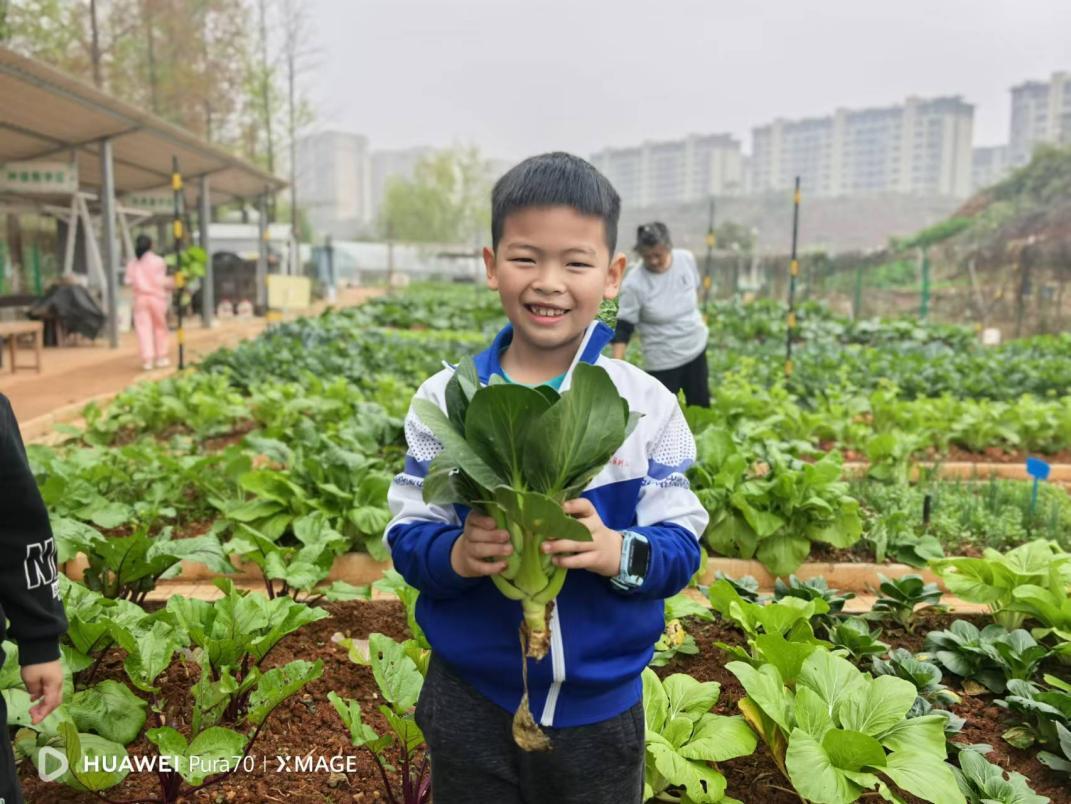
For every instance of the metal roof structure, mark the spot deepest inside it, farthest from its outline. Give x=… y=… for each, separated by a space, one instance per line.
x=46 y=114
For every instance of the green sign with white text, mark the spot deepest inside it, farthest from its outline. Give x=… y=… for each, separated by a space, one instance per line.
x=46 y=178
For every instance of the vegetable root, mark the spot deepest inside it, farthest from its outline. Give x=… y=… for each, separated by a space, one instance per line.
x=526 y=732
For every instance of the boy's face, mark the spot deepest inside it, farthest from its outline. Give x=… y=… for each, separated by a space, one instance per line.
x=552 y=270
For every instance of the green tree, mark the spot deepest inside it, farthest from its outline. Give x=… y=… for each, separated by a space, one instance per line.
x=730 y=235
x=192 y=62
x=446 y=201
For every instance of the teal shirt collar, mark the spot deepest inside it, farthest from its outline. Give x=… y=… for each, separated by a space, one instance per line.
x=553 y=382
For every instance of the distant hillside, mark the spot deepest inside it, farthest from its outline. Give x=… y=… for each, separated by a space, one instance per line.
x=1031 y=207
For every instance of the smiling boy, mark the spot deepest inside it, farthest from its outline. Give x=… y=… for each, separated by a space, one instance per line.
x=552 y=261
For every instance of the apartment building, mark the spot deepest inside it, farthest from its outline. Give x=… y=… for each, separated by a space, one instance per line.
x=333 y=176
x=1040 y=113
x=673 y=171
x=921 y=147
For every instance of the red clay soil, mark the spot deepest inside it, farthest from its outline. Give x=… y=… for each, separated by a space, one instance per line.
x=308 y=724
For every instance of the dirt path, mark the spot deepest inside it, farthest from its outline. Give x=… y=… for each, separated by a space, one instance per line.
x=72 y=376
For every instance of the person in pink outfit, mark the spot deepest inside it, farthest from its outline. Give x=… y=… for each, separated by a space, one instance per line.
x=147 y=275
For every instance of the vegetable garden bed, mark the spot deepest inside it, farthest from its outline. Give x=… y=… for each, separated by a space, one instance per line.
x=360 y=569
x=274 y=459
x=307 y=725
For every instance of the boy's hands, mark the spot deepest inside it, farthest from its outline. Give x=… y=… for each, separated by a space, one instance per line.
x=602 y=555
x=481 y=549
x=45 y=684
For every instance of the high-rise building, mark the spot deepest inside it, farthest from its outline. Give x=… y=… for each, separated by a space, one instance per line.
x=332 y=174
x=920 y=147
x=386 y=165
x=673 y=171
x=989 y=165
x=1040 y=113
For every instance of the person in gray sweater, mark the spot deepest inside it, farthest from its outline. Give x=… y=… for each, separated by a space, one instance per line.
x=660 y=302
x=29 y=591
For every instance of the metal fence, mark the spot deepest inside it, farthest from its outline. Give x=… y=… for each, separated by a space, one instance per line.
x=1020 y=291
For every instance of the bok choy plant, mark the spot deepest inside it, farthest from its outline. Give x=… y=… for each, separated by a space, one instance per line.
x=517 y=453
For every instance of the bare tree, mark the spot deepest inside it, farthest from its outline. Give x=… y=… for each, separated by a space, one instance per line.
x=147 y=11
x=94 y=51
x=266 y=75
x=297 y=52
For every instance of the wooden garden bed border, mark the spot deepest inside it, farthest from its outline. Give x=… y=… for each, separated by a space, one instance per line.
x=360 y=569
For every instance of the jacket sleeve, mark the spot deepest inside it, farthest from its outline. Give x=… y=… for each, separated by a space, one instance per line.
x=668 y=512
x=420 y=537
x=130 y=274
x=29 y=580
x=628 y=303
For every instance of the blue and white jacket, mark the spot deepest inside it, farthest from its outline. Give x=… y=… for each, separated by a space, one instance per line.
x=601 y=638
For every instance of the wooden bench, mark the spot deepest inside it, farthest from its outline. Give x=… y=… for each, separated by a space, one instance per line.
x=13 y=330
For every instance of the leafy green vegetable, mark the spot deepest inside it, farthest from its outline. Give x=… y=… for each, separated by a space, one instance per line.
x=982 y=782
x=777 y=633
x=993 y=579
x=771 y=515
x=854 y=636
x=399 y=678
x=1059 y=762
x=234 y=635
x=813 y=589
x=968 y=652
x=684 y=739
x=925 y=675
x=1041 y=710
x=674 y=640
x=840 y=733
x=902 y=597
x=518 y=453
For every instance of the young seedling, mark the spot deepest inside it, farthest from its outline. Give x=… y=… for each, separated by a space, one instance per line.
x=902 y=598
x=854 y=636
x=398 y=669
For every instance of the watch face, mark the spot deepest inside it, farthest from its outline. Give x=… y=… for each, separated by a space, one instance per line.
x=639 y=558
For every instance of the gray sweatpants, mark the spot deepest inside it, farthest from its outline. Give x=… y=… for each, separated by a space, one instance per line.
x=474 y=758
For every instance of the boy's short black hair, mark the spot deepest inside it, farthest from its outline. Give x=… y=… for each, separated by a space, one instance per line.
x=555 y=179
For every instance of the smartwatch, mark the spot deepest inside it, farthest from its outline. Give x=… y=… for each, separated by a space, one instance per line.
x=635 y=558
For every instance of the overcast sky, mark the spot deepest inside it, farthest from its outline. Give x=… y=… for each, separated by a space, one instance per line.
x=517 y=77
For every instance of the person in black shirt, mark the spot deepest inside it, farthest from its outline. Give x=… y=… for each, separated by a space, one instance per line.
x=29 y=590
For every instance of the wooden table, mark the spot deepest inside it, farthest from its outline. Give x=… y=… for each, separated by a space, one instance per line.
x=12 y=330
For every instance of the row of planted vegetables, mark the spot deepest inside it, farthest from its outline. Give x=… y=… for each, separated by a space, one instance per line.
x=280 y=452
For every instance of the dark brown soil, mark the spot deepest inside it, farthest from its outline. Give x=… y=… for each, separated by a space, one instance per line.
x=862 y=554
x=241 y=429
x=308 y=724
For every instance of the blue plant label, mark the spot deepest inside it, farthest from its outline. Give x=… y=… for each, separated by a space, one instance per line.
x=1037 y=468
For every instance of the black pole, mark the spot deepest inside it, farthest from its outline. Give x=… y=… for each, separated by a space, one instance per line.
x=180 y=276
x=329 y=256
x=708 y=280
x=793 y=272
